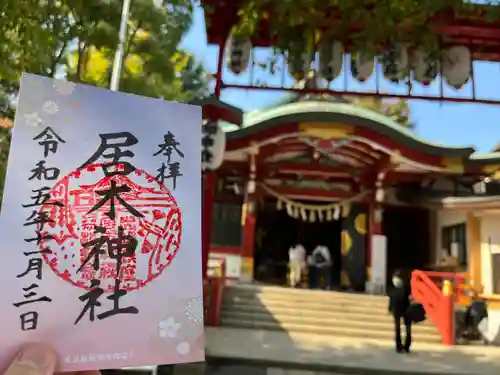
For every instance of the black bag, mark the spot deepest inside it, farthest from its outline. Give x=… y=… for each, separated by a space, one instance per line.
x=416 y=313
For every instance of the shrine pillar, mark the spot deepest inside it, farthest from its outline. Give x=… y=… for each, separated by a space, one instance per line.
x=376 y=255
x=248 y=220
x=208 y=185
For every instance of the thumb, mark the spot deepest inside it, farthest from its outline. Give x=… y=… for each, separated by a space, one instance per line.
x=33 y=359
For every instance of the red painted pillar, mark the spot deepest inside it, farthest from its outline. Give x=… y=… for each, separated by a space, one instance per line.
x=448 y=314
x=247 y=248
x=207 y=209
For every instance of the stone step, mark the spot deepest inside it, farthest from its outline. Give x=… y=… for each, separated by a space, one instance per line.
x=336 y=306
x=306 y=311
x=379 y=303
x=302 y=294
x=337 y=321
x=326 y=330
x=309 y=296
x=311 y=312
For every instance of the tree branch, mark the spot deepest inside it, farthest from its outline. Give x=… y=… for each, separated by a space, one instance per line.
x=57 y=59
x=80 y=58
x=130 y=42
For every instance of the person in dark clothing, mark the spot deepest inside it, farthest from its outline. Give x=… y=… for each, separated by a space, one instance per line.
x=399 y=301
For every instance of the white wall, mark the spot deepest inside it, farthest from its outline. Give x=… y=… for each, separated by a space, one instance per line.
x=233 y=263
x=446 y=218
x=490 y=243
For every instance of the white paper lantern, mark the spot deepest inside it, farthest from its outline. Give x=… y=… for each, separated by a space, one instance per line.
x=456 y=66
x=362 y=66
x=237 y=53
x=213 y=146
x=425 y=69
x=379 y=195
x=299 y=65
x=395 y=63
x=251 y=186
x=331 y=59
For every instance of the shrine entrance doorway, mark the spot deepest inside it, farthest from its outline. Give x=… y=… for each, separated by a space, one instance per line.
x=276 y=232
x=408 y=239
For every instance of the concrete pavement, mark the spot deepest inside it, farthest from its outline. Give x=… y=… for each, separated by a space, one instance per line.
x=277 y=350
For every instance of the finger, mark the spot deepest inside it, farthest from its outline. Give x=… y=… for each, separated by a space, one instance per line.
x=33 y=359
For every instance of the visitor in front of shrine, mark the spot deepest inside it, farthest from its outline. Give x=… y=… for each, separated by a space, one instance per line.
x=297 y=264
x=399 y=302
x=322 y=267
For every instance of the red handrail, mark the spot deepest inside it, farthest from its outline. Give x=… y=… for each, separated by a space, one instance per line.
x=438 y=303
x=459 y=282
x=213 y=286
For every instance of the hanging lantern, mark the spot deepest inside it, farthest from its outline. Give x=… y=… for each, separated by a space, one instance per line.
x=379 y=195
x=213 y=144
x=425 y=69
x=395 y=62
x=299 y=65
x=362 y=66
x=456 y=66
x=251 y=186
x=237 y=53
x=331 y=59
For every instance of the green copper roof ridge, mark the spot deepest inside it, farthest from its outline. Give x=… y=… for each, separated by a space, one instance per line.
x=308 y=111
x=255 y=117
x=485 y=155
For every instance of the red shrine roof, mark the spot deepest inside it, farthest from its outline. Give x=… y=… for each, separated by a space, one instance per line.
x=339 y=144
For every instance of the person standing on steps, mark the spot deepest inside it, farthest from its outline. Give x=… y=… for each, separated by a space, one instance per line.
x=399 y=302
x=297 y=263
x=322 y=264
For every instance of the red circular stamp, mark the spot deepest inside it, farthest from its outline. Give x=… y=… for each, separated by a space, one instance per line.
x=101 y=225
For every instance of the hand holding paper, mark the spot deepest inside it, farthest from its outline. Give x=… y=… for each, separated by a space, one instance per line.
x=101 y=227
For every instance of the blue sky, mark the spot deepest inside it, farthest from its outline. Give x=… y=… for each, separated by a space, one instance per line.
x=453 y=124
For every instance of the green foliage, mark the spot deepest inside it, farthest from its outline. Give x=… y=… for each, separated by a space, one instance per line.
x=5 y=135
x=77 y=39
x=376 y=22
x=57 y=37
x=398 y=110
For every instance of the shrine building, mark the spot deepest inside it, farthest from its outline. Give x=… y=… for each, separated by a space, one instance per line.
x=318 y=171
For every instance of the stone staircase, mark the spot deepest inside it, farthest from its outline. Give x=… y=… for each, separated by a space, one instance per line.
x=316 y=312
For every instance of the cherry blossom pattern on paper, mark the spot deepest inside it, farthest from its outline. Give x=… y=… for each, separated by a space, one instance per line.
x=63 y=87
x=172 y=329
x=157 y=229
x=33 y=119
x=168 y=328
x=194 y=310
x=50 y=107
